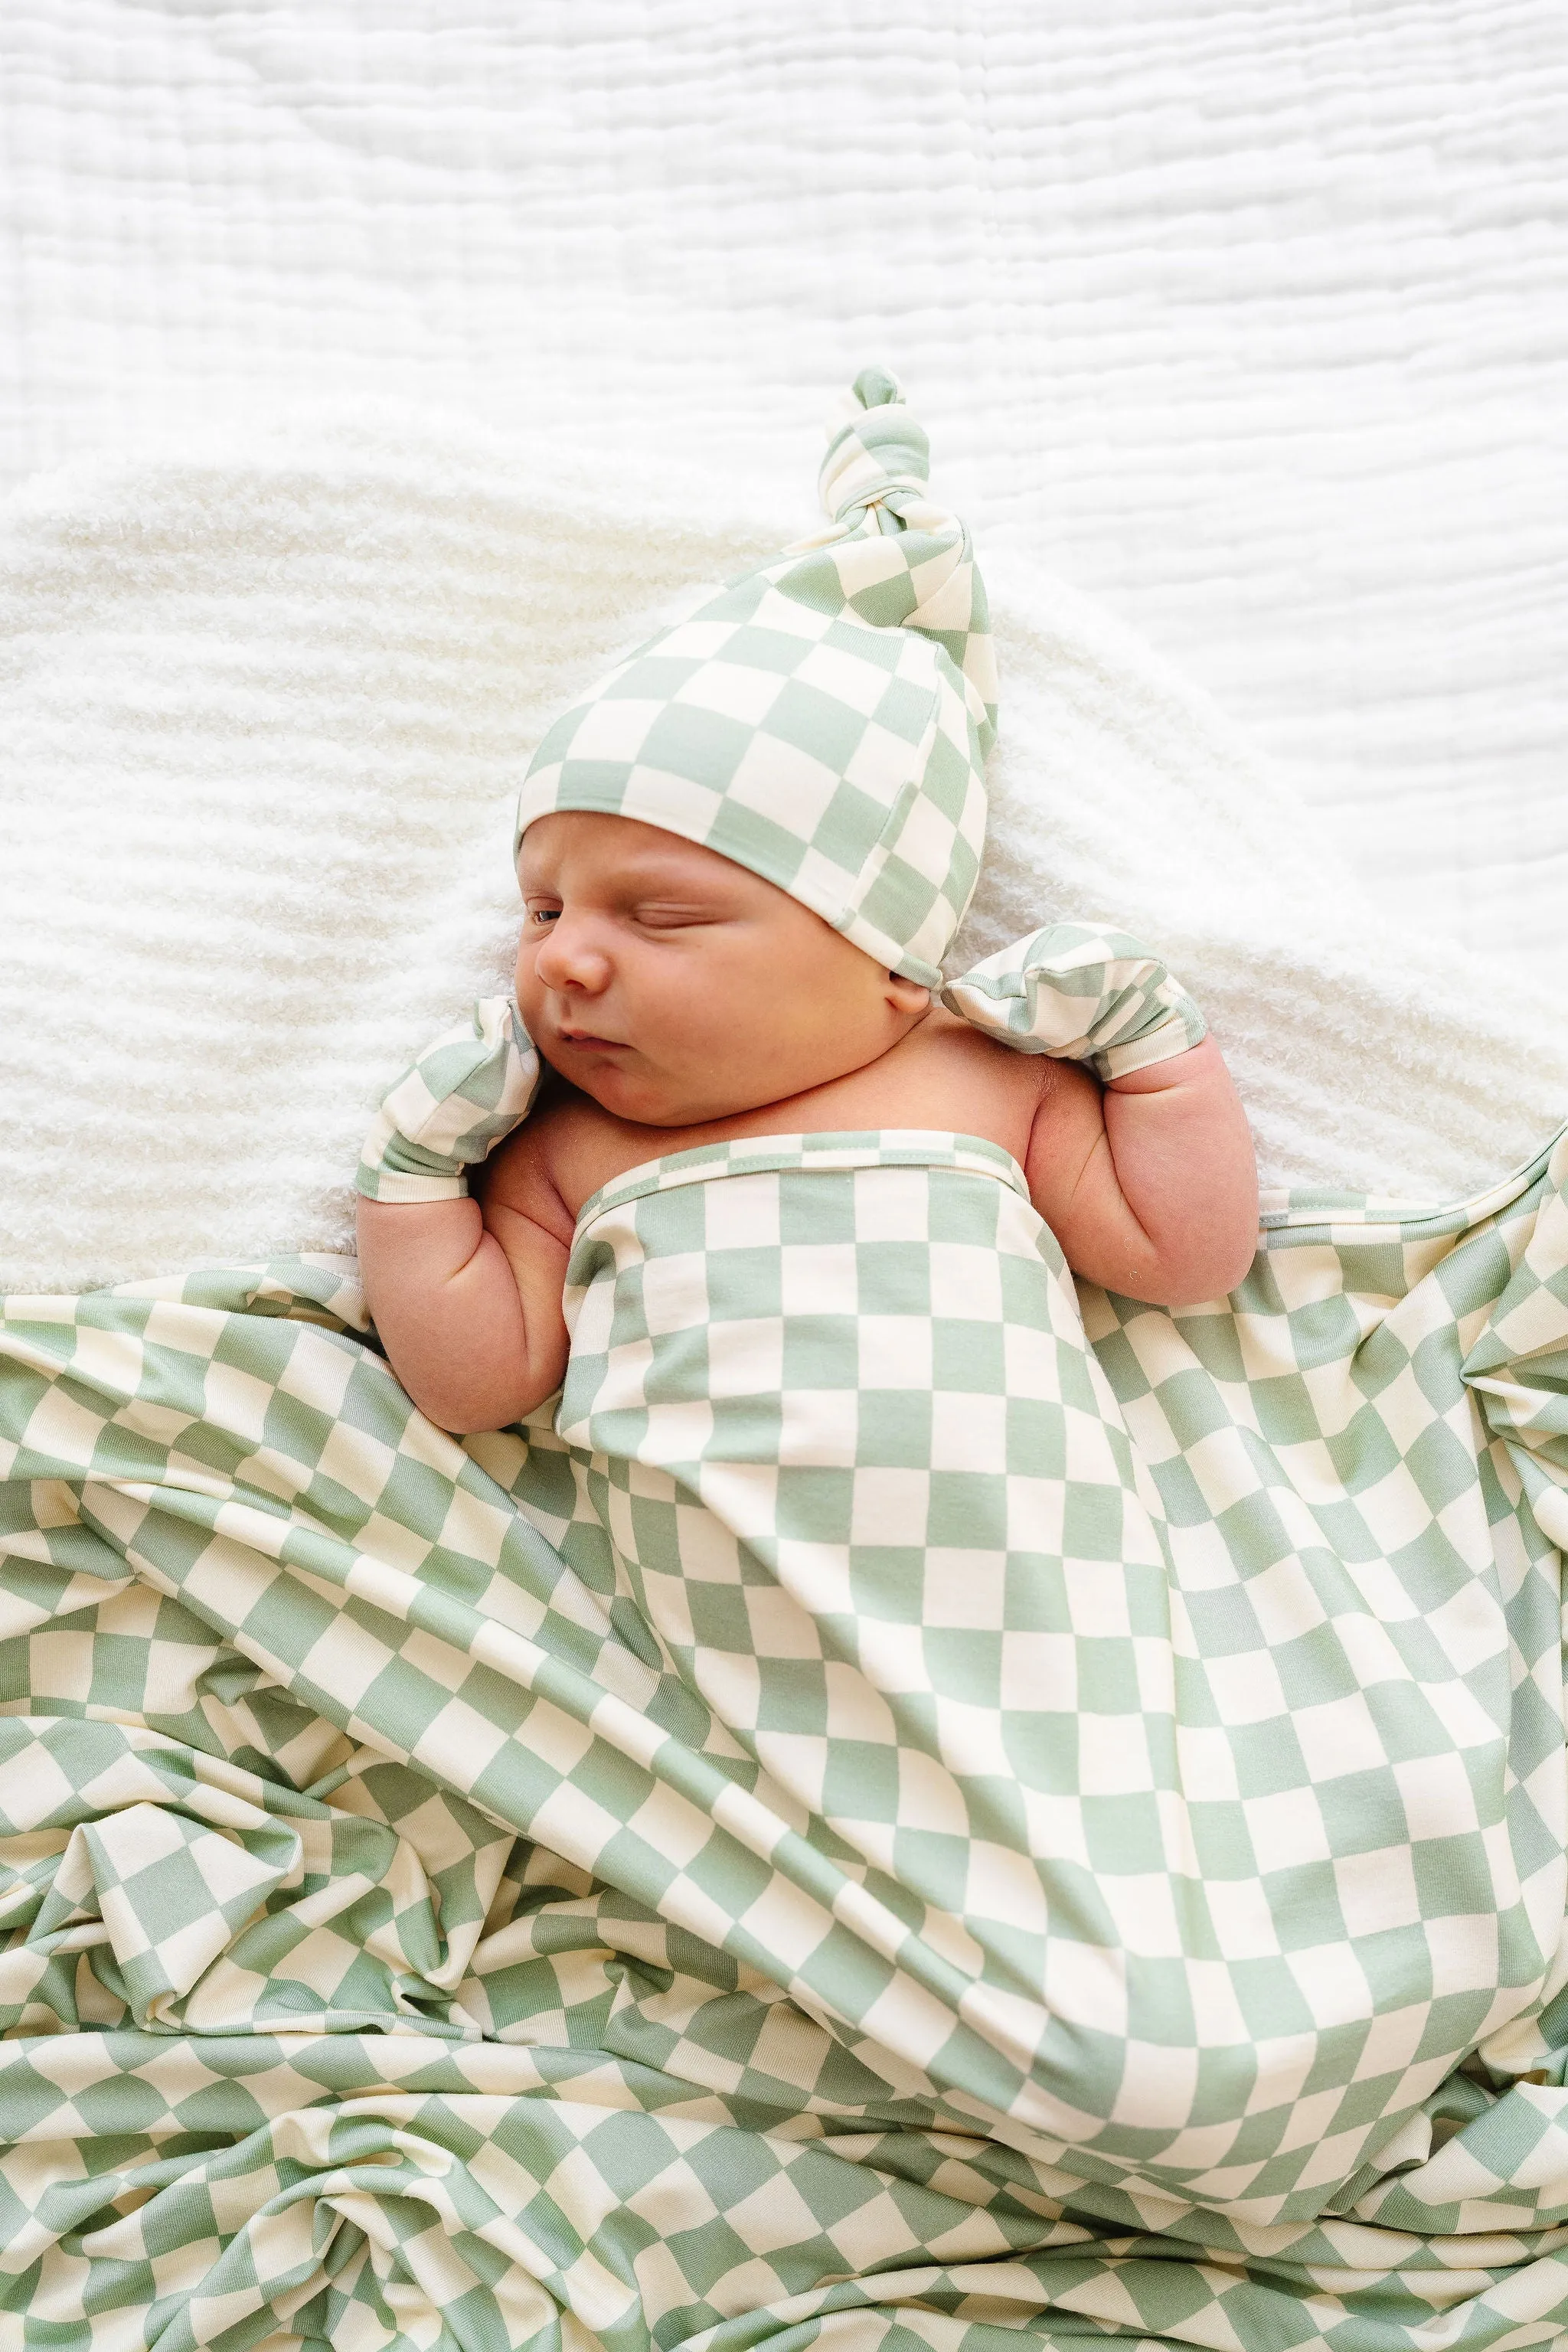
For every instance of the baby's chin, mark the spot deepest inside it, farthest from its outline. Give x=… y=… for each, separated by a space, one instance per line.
x=654 y=1098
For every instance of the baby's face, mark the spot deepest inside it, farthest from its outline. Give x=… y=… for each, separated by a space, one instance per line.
x=675 y=987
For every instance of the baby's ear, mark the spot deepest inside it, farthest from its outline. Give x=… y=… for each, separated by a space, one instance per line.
x=907 y=995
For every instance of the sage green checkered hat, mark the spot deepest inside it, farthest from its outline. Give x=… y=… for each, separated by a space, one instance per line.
x=825 y=720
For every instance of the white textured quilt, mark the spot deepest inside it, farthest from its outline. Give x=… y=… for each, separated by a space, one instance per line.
x=1251 y=320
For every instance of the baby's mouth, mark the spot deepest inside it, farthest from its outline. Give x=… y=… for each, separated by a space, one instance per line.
x=589 y=1040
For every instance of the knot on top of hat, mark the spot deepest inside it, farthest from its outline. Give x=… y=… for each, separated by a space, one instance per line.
x=880 y=450
x=893 y=555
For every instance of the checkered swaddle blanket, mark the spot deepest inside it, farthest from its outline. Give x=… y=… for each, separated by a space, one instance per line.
x=906 y=1812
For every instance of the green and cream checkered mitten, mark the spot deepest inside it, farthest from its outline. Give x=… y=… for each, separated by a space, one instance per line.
x=1084 y=993
x=468 y=1089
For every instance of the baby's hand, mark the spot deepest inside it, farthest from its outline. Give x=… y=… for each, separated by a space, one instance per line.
x=1148 y=1180
x=1081 y=992
x=474 y=1347
x=1150 y=1184
x=468 y=1089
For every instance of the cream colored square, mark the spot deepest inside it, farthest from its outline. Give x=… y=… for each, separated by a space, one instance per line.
x=1341 y=1735
x=1030 y=1363
x=613 y=728
x=789 y=617
x=894 y=1204
x=742 y=1213
x=1144 y=1906
x=708 y=1552
x=780 y=1627
x=818 y=1278
x=674 y=1291
x=890 y=1506
x=731 y=691
x=192 y=1330
x=925 y=839
x=1097 y=1598
x=1243 y=1921
x=319 y=1371
x=881 y=765
x=1439 y=1802
x=965 y=1282
x=1039 y=1673
x=1113 y=1755
x=966 y=1589
x=1287 y=1829
x=1002 y=1885
x=1246 y=1687
x=969 y=1432
x=476 y=1528
x=1087 y=1984
x=894 y=1351
x=1222 y=1468
x=345 y=1660
x=460 y=1743
x=1471 y=1626
x=1463 y=1952
x=354 y=1459
x=1377 y=1891
x=107 y=1358
x=658 y=796
x=859 y=684
x=679 y=1428
x=1332 y=1983
x=1089 y=1457
x=746 y=1358
x=1035 y=1514
x=1159 y=2084
x=782 y=782
x=819 y=1428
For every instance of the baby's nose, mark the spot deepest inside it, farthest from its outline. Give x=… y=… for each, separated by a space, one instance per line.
x=570 y=957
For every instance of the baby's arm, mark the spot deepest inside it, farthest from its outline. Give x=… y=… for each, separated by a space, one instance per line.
x=1150 y=1185
x=1147 y=1179
x=470 y=1319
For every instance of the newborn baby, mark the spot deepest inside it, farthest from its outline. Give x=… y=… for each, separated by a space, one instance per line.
x=681 y=1000
x=742 y=857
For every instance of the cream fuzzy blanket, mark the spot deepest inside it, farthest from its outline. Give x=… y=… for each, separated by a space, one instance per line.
x=263 y=708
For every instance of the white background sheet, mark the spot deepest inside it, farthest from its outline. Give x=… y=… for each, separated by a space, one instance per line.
x=1251 y=316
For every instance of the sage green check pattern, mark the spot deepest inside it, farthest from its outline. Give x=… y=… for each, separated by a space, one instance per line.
x=824 y=721
x=1084 y=992
x=1073 y=1844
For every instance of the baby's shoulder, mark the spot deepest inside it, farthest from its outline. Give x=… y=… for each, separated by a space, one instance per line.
x=560 y=1155
x=949 y=1076
x=951 y=1050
